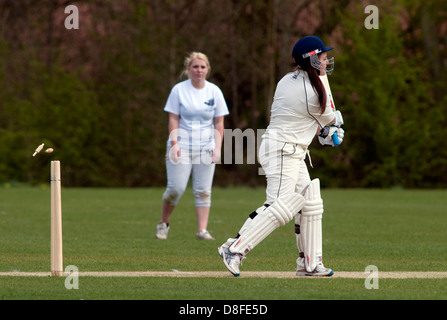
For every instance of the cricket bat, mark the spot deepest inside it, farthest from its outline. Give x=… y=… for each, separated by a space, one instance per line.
x=327 y=87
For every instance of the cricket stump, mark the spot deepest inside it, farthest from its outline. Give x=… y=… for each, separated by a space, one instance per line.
x=56 y=220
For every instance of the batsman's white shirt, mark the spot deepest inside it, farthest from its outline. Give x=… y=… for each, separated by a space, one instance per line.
x=197 y=109
x=295 y=119
x=295 y=114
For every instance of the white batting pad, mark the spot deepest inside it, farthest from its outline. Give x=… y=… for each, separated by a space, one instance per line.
x=279 y=213
x=250 y=219
x=311 y=231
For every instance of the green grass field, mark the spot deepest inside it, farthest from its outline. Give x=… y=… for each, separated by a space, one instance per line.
x=114 y=230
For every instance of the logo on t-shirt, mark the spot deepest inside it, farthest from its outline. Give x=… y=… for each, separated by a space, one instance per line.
x=209 y=102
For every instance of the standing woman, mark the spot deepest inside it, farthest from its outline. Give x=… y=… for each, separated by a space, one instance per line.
x=300 y=111
x=196 y=110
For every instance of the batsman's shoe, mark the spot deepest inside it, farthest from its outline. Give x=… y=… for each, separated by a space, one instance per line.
x=162 y=231
x=319 y=271
x=204 y=235
x=225 y=246
x=231 y=260
x=228 y=243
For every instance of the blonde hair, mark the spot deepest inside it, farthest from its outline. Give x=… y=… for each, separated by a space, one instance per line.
x=190 y=58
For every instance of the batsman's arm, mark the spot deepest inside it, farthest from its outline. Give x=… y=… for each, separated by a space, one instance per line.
x=338 y=123
x=338 y=118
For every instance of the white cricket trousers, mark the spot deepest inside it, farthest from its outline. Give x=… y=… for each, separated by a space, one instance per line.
x=196 y=165
x=284 y=166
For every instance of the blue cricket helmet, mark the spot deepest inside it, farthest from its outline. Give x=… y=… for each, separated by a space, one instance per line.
x=310 y=47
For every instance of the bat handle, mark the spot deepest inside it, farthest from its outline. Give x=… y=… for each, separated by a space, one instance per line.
x=335 y=139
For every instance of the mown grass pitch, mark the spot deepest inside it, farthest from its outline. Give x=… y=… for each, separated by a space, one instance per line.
x=114 y=230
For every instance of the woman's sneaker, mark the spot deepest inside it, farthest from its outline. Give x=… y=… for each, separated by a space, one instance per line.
x=162 y=231
x=204 y=235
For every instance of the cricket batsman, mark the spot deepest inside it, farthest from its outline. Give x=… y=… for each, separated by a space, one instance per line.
x=300 y=111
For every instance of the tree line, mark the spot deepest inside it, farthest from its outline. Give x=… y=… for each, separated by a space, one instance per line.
x=96 y=94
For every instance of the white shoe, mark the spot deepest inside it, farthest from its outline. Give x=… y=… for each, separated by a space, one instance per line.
x=162 y=231
x=231 y=260
x=319 y=271
x=204 y=235
x=225 y=246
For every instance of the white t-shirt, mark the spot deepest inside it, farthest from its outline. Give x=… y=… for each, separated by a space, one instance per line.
x=295 y=114
x=197 y=109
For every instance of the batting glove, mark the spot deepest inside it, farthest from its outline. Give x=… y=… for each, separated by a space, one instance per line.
x=326 y=134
